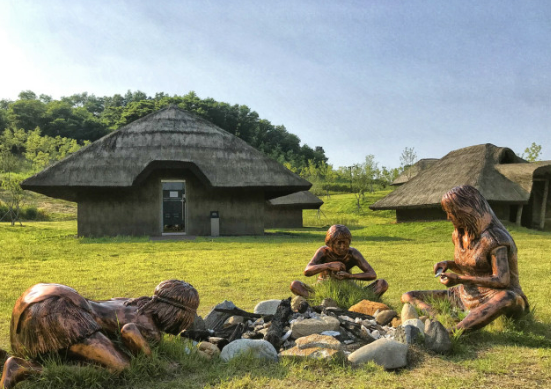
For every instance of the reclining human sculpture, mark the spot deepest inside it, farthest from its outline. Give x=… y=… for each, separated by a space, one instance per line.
x=335 y=260
x=484 y=278
x=55 y=318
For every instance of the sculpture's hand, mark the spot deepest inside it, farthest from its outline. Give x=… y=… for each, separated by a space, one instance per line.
x=341 y=275
x=441 y=265
x=336 y=266
x=449 y=279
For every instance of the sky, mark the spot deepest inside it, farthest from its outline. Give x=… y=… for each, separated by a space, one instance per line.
x=354 y=77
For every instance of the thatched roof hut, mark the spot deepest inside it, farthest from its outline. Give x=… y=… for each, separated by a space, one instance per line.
x=508 y=182
x=217 y=171
x=412 y=171
x=286 y=211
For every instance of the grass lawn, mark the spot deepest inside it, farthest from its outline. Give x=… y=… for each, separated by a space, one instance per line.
x=247 y=270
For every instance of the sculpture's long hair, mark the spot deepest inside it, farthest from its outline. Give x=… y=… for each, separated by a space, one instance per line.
x=336 y=232
x=173 y=305
x=468 y=206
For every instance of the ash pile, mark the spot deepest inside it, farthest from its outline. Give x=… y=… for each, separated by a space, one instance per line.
x=368 y=331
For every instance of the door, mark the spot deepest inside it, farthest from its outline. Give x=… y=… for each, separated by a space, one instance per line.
x=174 y=206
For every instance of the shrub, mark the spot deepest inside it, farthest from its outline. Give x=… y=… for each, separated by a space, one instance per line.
x=345 y=292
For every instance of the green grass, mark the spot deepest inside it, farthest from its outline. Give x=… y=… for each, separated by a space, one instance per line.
x=247 y=270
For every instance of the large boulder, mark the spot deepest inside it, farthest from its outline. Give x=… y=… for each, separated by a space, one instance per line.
x=384 y=352
x=259 y=349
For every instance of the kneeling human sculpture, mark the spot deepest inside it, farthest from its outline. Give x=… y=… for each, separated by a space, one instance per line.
x=485 y=278
x=334 y=260
x=55 y=318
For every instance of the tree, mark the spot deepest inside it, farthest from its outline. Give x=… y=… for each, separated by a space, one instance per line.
x=13 y=196
x=407 y=160
x=12 y=192
x=532 y=153
x=26 y=114
x=387 y=176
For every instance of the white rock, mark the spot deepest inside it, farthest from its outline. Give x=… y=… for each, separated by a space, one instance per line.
x=259 y=349
x=268 y=307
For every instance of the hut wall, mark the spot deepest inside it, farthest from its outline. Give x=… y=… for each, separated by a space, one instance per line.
x=137 y=211
x=418 y=214
x=278 y=217
x=502 y=211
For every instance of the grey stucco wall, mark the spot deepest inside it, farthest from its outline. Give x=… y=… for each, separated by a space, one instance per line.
x=275 y=217
x=137 y=211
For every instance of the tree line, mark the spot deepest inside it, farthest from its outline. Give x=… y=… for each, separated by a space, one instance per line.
x=85 y=117
x=37 y=130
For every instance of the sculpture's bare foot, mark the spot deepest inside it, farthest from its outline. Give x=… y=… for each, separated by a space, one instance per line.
x=16 y=370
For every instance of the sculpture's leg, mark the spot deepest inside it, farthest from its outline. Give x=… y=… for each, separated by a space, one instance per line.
x=301 y=289
x=378 y=287
x=98 y=348
x=134 y=340
x=16 y=370
x=418 y=298
x=503 y=303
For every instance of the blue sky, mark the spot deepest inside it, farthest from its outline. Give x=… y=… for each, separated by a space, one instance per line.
x=355 y=77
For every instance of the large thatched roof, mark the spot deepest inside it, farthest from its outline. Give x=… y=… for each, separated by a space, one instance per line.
x=303 y=200
x=496 y=172
x=169 y=138
x=414 y=170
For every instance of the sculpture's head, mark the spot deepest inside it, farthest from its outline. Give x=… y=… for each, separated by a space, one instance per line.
x=467 y=209
x=338 y=234
x=173 y=306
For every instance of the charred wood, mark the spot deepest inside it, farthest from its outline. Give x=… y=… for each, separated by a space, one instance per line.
x=279 y=322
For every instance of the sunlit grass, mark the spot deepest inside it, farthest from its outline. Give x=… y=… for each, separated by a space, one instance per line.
x=247 y=270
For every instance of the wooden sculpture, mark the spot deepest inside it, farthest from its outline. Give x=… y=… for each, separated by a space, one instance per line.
x=55 y=318
x=334 y=260
x=484 y=275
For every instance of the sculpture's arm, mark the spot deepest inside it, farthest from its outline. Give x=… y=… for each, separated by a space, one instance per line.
x=135 y=341
x=447 y=265
x=316 y=266
x=367 y=274
x=499 y=279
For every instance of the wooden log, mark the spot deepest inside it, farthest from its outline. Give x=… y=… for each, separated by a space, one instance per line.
x=279 y=322
x=341 y=312
x=245 y=314
x=197 y=335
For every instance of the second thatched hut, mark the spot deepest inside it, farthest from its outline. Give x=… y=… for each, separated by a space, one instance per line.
x=517 y=190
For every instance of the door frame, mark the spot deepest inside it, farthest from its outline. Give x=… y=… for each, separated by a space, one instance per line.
x=184 y=210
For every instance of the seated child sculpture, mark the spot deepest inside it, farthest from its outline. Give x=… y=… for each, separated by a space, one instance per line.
x=55 y=318
x=485 y=278
x=334 y=260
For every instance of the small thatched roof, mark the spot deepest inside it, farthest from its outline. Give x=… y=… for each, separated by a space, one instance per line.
x=414 y=170
x=169 y=138
x=302 y=200
x=497 y=172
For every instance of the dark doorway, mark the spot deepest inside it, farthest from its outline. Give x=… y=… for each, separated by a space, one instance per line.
x=174 y=206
